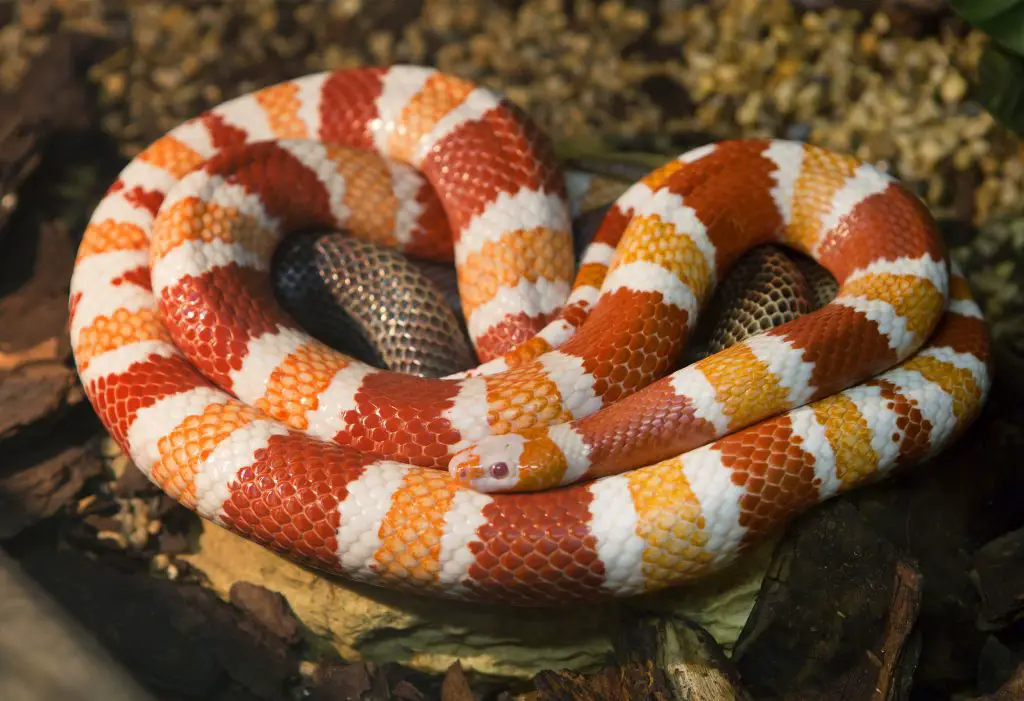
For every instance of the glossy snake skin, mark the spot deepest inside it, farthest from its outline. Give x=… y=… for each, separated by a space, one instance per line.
x=402 y=314
x=765 y=289
x=243 y=417
x=374 y=302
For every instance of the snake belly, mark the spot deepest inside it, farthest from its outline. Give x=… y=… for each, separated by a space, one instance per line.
x=374 y=303
x=249 y=421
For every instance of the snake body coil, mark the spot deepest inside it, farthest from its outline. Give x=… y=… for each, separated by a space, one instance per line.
x=245 y=418
x=387 y=309
x=402 y=314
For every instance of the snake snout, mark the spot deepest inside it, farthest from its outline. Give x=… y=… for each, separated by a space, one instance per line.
x=465 y=468
x=490 y=465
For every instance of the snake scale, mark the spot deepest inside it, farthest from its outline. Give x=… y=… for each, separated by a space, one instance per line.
x=374 y=303
x=403 y=314
x=574 y=463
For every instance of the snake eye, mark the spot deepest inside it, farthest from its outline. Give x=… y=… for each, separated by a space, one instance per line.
x=499 y=470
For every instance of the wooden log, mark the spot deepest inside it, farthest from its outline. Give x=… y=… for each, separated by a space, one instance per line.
x=835 y=618
x=661 y=658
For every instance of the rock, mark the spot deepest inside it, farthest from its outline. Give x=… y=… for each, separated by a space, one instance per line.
x=864 y=68
x=359 y=680
x=953 y=88
x=997 y=663
x=350 y=681
x=923 y=7
x=374 y=625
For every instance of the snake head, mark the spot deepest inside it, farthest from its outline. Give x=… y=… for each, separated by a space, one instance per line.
x=489 y=465
x=509 y=463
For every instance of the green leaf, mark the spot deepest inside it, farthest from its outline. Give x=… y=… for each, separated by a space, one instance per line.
x=1003 y=20
x=1001 y=87
x=977 y=11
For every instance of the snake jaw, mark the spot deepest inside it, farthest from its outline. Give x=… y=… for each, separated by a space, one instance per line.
x=490 y=465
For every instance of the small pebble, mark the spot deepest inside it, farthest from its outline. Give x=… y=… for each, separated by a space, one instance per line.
x=953 y=88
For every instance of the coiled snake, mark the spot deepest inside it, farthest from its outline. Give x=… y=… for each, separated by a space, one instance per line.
x=403 y=314
x=239 y=414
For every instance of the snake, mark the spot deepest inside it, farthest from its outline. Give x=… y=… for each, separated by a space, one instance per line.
x=379 y=306
x=403 y=314
x=572 y=463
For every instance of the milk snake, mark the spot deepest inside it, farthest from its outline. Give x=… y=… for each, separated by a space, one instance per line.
x=403 y=313
x=233 y=410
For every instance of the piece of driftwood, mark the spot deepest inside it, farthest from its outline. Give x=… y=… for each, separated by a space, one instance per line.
x=997 y=664
x=835 y=617
x=455 y=686
x=45 y=441
x=1012 y=690
x=999 y=576
x=32 y=395
x=182 y=642
x=51 y=95
x=661 y=658
x=36 y=485
x=940 y=514
x=45 y=427
x=35 y=272
x=368 y=681
x=268 y=608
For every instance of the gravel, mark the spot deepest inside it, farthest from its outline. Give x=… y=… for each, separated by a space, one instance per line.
x=890 y=82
